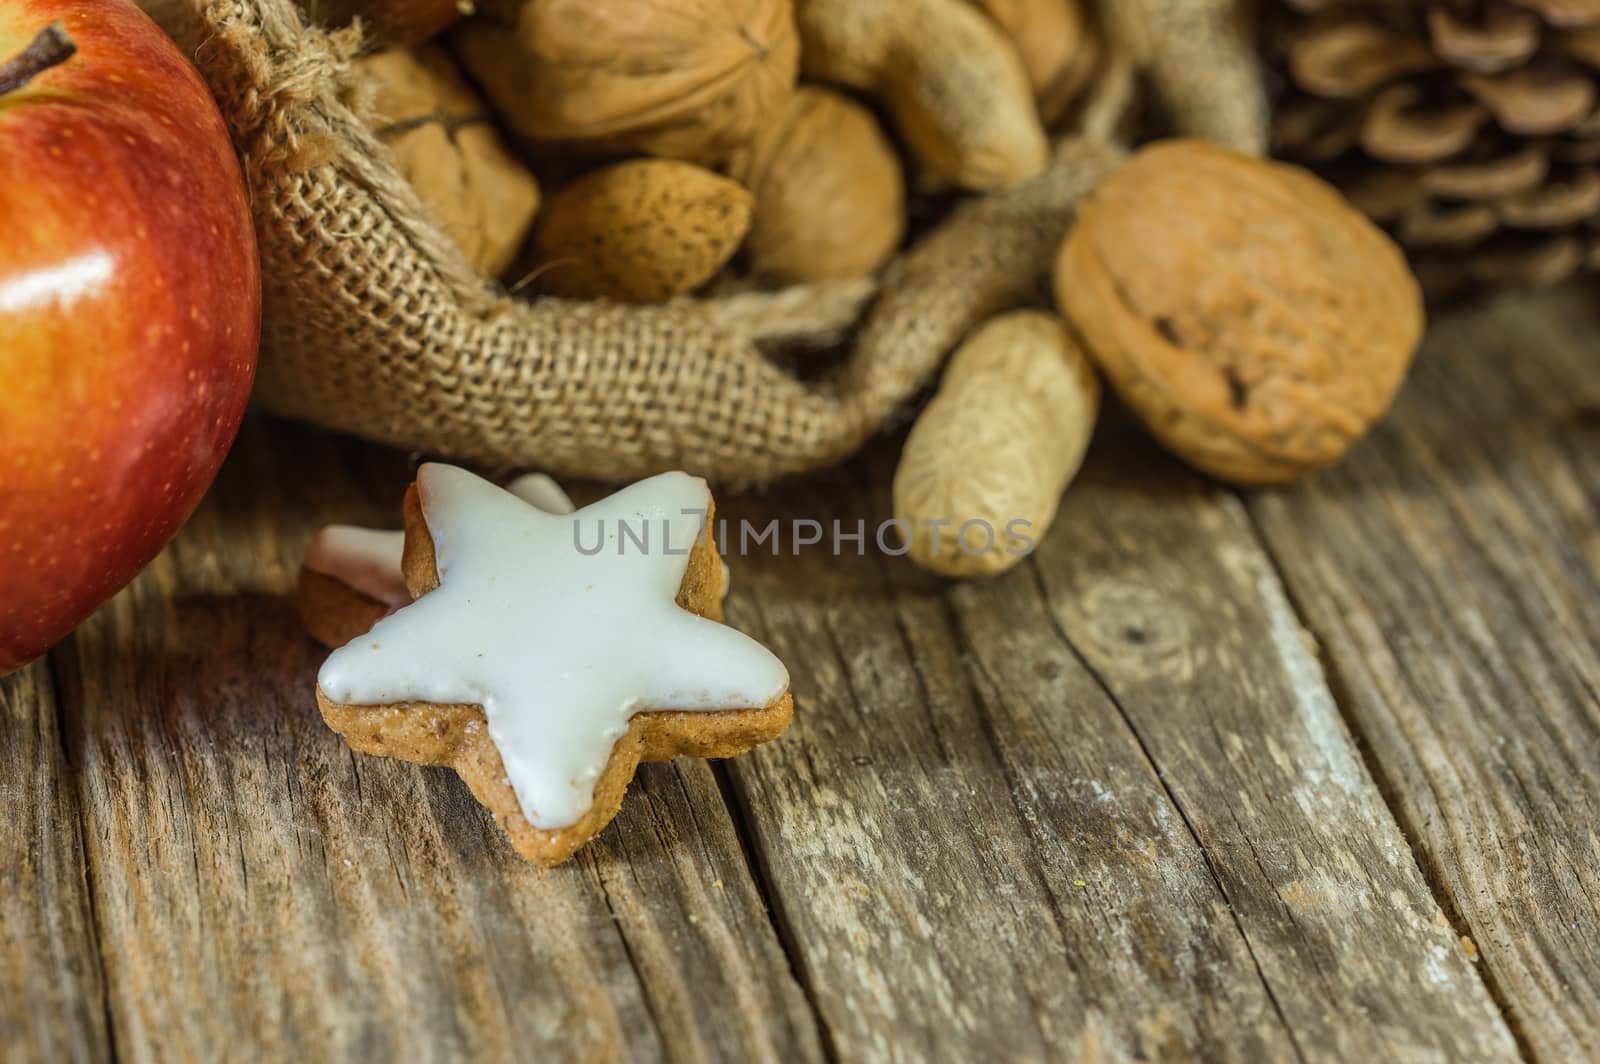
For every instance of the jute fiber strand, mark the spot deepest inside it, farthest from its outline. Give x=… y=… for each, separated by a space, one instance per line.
x=1200 y=56
x=376 y=325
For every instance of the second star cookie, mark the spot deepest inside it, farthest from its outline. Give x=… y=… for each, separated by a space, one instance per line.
x=545 y=656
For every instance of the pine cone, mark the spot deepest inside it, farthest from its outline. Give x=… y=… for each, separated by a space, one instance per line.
x=1469 y=128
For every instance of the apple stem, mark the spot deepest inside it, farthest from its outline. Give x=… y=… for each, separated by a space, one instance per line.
x=50 y=48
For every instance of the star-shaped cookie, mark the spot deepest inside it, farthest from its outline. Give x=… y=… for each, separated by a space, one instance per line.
x=546 y=655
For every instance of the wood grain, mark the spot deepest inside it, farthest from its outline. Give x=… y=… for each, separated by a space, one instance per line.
x=1100 y=806
x=51 y=999
x=1451 y=570
x=263 y=893
x=1157 y=580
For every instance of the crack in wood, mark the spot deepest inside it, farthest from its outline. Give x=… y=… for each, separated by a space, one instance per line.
x=1427 y=866
x=755 y=865
x=1172 y=799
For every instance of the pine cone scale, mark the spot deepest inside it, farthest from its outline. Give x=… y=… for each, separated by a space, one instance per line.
x=1469 y=128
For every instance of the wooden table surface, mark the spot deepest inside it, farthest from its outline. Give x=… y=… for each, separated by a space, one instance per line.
x=1299 y=775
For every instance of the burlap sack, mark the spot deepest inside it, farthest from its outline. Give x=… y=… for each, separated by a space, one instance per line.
x=375 y=324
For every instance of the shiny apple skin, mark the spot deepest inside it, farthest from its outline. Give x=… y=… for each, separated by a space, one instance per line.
x=130 y=312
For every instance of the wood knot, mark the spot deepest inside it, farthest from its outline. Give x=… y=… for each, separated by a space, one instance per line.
x=1136 y=626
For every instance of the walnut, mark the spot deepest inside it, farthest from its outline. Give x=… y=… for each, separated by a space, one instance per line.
x=689 y=79
x=1254 y=321
x=830 y=197
x=446 y=147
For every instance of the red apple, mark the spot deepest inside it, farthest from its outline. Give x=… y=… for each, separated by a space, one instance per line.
x=130 y=307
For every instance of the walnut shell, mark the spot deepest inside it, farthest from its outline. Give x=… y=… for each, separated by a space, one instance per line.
x=445 y=145
x=1255 y=322
x=640 y=231
x=689 y=79
x=830 y=197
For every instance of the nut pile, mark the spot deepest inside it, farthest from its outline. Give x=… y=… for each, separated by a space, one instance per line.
x=681 y=141
x=1254 y=320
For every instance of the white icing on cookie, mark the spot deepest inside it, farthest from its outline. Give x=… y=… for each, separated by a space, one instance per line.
x=368 y=559
x=561 y=628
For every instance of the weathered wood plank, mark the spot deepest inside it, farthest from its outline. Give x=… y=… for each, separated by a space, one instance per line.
x=902 y=839
x=1159 y=583
x=264 y=893
x=51 y=1001
x=1101 y=805
x=1451 y=570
